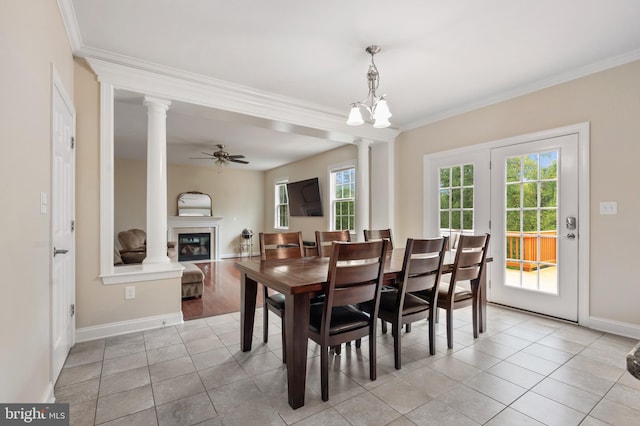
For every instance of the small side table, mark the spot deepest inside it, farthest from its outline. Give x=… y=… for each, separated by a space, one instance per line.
x=246 y=243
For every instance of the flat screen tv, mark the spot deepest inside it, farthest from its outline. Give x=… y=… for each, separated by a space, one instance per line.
x=304 y=198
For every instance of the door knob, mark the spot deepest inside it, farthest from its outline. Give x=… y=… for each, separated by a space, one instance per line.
x=570 y=236
x=59 y=251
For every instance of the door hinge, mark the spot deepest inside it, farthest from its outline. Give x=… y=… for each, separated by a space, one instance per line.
x=489 y=164
x=73 y=309
x=73 y=142
x=489 y=225
x=73 y=225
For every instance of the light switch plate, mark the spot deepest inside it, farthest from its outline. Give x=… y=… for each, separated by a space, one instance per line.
x=608 y=207
x=44 y=203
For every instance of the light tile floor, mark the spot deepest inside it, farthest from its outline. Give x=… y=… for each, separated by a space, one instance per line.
x=525 y=370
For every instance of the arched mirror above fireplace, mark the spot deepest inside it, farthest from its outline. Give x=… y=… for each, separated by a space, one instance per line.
x=194 y=204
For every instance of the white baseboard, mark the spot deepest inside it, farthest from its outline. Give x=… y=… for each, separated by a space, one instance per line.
x=615 y=327
x=123 y=327
x=48 y=397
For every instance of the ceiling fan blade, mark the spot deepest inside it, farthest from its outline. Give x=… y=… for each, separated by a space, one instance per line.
x=201 y=158
x=206 y=153
x=238 y=161
x=236 y=156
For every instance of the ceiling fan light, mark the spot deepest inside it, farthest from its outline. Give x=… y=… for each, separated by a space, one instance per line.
x=355 y=117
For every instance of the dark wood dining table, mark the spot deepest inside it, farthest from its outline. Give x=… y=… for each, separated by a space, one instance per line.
x=299 y=280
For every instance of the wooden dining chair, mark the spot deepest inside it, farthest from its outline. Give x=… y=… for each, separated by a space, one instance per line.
x=274 y=246
x=469 y=265
x=325 y=238
x=421 y=270
x=379 y=234
x=355 y=276
x=382 y=234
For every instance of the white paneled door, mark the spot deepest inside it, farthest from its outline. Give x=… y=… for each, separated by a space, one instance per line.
x=62 y=227
x=534 y=226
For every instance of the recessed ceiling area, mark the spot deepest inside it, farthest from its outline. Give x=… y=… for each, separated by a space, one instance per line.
x=193 y=130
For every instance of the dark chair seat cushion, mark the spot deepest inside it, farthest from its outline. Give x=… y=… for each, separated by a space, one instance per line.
x=343 y=318
x=276 y=300
x=459 y=294
x=412 y=304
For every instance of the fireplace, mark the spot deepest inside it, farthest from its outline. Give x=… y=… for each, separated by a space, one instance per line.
x=194 y=246
x=200 y=237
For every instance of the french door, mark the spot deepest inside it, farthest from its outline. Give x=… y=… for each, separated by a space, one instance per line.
x=534 y=226
x=526 y=192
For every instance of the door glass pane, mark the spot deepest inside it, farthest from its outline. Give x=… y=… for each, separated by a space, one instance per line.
x=513 y=196
x=468 y=175
x=456 y=197
x=455 y=176
x=531 y=200
x=530 y=194
x=444 y=177
x=445 y=198
x=467 y=198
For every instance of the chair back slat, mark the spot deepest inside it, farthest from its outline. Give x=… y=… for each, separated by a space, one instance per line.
x=379 y=234
x=355 y=273
x=422 y=265
x=324 y=240
x=281 y=245
x=470 y=259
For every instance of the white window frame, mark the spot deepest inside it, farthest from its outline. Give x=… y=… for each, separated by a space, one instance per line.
x=332 y=191
x=277 y=204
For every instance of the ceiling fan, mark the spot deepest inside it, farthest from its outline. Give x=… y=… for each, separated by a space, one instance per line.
x=222 y=157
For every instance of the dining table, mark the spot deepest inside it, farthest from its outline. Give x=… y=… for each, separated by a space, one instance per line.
x=299 y=280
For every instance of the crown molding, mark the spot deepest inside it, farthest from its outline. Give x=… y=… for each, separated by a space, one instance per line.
x=529 y=88
x=136 y=75
x=68 y=14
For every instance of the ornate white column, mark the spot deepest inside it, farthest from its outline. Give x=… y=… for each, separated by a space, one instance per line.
x=156 y=180
x=362 y=188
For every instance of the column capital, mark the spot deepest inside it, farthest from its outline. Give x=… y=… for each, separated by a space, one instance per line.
x=363 y=143
x=153 y=101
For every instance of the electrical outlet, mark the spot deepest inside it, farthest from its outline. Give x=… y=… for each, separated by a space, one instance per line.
x=130 y=292
x=608 y=207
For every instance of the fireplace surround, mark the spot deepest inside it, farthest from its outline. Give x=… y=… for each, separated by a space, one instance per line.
x=200 y=228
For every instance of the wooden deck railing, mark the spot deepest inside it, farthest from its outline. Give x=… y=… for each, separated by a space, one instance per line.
x=528 y=251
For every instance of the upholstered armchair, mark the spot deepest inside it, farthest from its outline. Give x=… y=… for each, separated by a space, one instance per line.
x=134 y=246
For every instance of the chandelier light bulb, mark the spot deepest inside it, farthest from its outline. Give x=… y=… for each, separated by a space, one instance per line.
x=382 y=110
x=381 y=123
x=355 y=117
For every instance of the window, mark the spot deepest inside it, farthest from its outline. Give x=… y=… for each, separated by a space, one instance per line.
x=456 y=199
x=282 y=206
x=343 y=199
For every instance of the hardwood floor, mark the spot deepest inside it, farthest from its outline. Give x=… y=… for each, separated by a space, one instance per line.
x=221 y=293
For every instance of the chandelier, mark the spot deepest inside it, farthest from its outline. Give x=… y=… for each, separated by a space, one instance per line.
x=375 y=105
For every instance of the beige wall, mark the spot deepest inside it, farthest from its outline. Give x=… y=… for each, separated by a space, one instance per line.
x=99 y=304
x=317 y=166
x=32 y=39
x=610 y=101
x=236 y=196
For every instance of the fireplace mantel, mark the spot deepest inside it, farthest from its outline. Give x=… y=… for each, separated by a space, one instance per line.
x=175 y=223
